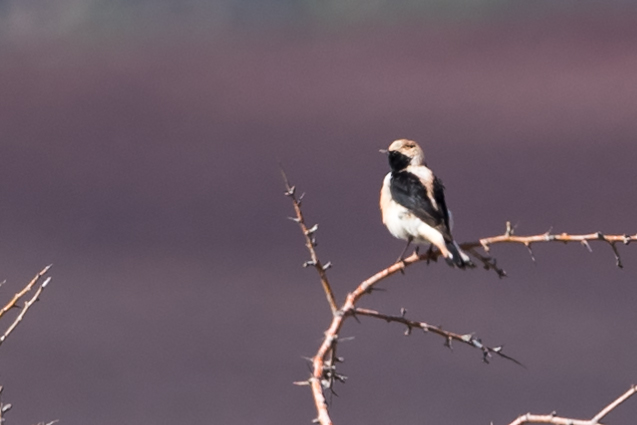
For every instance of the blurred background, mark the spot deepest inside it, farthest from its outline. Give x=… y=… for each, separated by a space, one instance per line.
x=139 y=143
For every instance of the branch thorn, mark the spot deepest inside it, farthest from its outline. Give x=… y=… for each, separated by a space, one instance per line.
x=528 y=246
x=485 y=246
x=311 y=230
x=509 y=229
x=290 y=191
x=618 y=260
x=587 y=245
x=448 y=343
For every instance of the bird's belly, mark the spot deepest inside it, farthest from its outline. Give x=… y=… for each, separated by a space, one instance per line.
x=402 y=224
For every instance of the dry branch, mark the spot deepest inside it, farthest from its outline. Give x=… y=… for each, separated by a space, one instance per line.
x=27 y=305
x=324 y=361
x=310 y=243
x=23 y=311
x=3 y=407
x=527 y=241
x=24 y=290
x=557 y=420
x=468 y=339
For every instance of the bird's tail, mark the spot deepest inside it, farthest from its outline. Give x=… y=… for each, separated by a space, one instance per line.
x=457 y=258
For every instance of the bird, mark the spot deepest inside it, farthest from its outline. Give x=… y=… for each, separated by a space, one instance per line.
x=412 y=203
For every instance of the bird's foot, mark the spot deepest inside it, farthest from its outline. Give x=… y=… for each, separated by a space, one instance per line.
x=430 y=252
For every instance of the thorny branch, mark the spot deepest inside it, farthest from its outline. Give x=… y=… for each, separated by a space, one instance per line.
x=310 y=242
x=27 y=305
x=527 y=241
x=24 y=290
x=324 y=361
x=4 y=407
x=557 y=420
x=468 y=339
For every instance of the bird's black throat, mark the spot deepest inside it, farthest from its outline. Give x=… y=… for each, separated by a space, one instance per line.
x=398 y=161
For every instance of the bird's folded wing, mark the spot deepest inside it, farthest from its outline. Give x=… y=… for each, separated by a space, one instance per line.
x=408 y=190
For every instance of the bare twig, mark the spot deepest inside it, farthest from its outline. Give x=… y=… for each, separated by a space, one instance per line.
x=557 y=420
x=26 y=289
x=509 y=237
x=468 y=339
x=3 y=407
x=27 y=305
x=552 y=237
x=310 y=243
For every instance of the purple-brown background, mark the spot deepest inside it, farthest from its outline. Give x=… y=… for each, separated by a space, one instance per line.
x=141 y=159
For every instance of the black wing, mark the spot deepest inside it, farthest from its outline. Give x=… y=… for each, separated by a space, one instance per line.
x=408 y=191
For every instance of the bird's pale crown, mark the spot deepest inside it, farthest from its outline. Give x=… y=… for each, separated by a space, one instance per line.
x=410 y=149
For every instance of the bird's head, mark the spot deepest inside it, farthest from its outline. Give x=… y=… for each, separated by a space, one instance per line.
x=403 y=153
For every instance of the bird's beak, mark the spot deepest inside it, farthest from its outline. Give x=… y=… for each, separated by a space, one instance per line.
x=385 y=151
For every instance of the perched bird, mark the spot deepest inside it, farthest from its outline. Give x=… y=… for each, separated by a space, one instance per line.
x=412 y=203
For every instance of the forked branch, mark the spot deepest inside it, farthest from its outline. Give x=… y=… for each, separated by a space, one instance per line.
x=24 y=290
x=13 y=303
x=324 y=361
x=27 y=305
